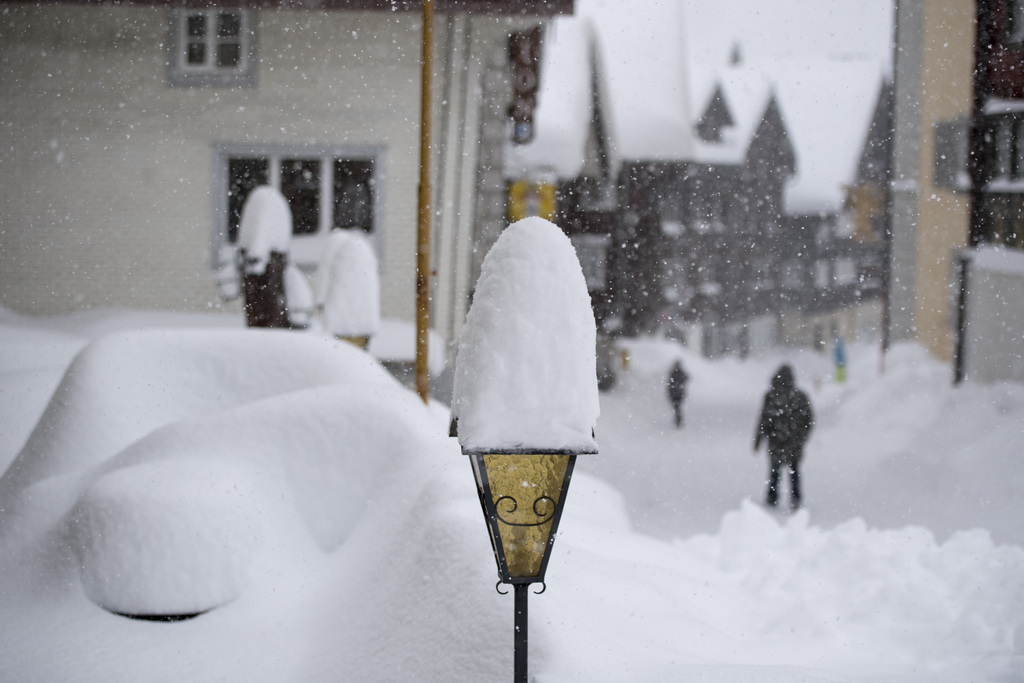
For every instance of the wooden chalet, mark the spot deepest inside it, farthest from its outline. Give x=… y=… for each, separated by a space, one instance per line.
x=721 y=219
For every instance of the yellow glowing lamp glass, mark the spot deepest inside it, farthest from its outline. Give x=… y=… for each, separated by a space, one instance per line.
x=522 y=495
x=531 y=198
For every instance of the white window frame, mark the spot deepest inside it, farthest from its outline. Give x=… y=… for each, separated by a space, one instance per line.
x=305 y=249
x=182 y=74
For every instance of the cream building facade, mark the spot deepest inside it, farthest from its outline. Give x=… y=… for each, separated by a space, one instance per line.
x=118 y=171
x=934 y=89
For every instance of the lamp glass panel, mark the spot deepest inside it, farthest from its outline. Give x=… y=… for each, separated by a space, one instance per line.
x=525 y=490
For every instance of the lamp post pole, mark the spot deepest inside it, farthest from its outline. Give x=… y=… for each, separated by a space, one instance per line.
x=522 y=592
x=423 y=225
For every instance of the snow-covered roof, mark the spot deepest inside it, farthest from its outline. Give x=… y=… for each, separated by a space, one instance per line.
x=746 y=92
x=640 y=58
x=654 y=98
x=827 y=107
x=644 y=50
x=998 y=259
x=999 y=105
x=564 y=104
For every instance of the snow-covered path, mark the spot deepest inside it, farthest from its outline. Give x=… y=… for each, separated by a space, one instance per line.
x=879 y=451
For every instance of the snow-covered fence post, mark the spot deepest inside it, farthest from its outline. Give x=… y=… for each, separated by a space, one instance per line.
x=298 y=296
x=347 y=287
x=525 y=401
x=264 y=233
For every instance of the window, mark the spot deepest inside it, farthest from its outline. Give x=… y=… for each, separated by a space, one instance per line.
x=593 y=256
x=211 y=47
x=353 y=194
x=793 y=274
x=951 y=144
x=845 y=271
x=1017 y=167
x=324 y=191
x=1004 y=219
x=1004 y=147
x=760 y=274
x=822 y=274
x=243 y=176
x=1015 y=25
x=670 y=206
x=846 y=225
x=300 y=185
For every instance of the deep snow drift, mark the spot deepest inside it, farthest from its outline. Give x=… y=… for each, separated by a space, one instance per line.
x=316 y=508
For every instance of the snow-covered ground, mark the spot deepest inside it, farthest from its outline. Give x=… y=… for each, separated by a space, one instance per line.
x=285 y=483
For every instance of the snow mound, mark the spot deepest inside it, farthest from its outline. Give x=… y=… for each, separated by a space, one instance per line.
x=348 y=285
x=970 y=472
x=775 y=594
x=310 y=503
x=265 y=226
x=525 y=375
x=801 y=582
x=165 y=460
x=151 y=542
x=126 y=385
x=298 y=293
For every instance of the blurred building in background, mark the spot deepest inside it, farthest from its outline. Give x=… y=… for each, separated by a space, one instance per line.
x=930 y=187
x=734 y=206
x=990 y=333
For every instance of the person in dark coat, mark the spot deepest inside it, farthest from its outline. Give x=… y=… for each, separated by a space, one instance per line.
x=786 y=422
x=677 y=379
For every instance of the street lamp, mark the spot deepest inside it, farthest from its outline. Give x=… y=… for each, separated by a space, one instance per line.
x=525 y=399
x=522 y=495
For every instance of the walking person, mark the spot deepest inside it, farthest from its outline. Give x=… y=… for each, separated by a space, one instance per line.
x=786 y=421
x=677 y=379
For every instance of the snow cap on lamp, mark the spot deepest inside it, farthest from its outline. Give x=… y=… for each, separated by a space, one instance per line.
x=525 y=373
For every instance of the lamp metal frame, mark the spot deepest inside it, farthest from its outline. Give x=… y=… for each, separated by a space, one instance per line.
x=493 y=517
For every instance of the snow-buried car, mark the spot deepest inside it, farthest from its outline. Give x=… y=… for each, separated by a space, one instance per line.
x=168 y=464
